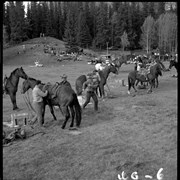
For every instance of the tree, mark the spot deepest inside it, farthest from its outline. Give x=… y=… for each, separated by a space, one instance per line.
x=83 y=35
x=167 y=32
x=102 y=35
x=17 y=23
x=70 y=27
x=147 y=33
x=124 y=40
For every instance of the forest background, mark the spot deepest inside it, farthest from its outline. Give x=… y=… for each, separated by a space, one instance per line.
x=96 y=25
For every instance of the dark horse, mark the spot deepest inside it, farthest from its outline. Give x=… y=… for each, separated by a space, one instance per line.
x=154 y=72
x=65 y=97
x=11 y=85
x=173 y=63
x=119 y=61
x=103 y=75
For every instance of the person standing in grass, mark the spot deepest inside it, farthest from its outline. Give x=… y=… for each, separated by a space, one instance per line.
x=38 y=103
x=90 y=87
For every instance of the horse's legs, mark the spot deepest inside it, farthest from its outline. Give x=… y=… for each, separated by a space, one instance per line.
x=66 y=114
x=151 y=82
x=157 y=83
x=43 y=112
x=72 y=116
x=52 y=111
x=13 y=100
x=134 y=87
x=101 y=88
x=137 y=82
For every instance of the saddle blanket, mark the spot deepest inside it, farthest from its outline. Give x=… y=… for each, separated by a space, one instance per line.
x=52 y=88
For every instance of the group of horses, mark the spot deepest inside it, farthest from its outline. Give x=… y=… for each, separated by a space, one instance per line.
x=66 y=97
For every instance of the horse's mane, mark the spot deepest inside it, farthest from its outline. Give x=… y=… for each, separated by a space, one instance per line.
x=30 y=78
x=13 y=72
x=33 y=79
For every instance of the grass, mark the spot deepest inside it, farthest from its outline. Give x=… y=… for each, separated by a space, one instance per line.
x=128 y=134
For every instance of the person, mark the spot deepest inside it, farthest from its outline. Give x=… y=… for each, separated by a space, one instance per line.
x=96 y=75
x=64 y=80
x=37 y=96
x=90 y=87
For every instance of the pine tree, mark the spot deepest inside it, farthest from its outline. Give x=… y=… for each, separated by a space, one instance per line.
x=70 y=27
x=102 y=36
x=17 y=23
x=83 y=35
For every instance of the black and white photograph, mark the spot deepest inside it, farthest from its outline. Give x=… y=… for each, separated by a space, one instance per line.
x=89 y=90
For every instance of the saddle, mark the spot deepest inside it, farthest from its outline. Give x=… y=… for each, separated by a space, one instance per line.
x=52 y=89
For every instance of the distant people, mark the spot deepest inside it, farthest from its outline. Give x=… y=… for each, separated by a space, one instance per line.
x=38 y=103
x=90 y=87
x=64 y=80
x=24 y=48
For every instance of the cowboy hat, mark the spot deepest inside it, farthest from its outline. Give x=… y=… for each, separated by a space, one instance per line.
x=64 y=76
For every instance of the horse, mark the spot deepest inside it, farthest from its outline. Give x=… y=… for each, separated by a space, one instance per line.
x=119 y=61
x=173 y=63
x=155 y=67
x=103 y=75
x=65 y=97
x=154 y=72
x=11 y=84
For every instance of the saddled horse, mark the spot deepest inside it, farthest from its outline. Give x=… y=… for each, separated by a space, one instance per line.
x=154 y=72
x=173 y=63
x=64 y=98
x=103 y=75
x=156 y=67
x=11 y=84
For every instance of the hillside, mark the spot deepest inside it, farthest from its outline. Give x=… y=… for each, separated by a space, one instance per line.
x=34 y=51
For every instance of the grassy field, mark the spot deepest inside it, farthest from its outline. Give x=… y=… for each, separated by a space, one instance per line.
x=130 y=133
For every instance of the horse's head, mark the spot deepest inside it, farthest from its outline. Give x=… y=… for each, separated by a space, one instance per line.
x=21 y=73
x=113 y=68
x=25 y=86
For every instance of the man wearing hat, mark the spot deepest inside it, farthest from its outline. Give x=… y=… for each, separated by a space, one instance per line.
x=64 y=80
x=90 y=87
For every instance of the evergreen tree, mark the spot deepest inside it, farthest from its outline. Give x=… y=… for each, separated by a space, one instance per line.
x=102 y=36
x=70 y=33
x=17 y=23
x=83 y=35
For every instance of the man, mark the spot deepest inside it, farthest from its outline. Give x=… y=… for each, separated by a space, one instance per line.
x=64 y=80
x=90 y=91
x=37 y=96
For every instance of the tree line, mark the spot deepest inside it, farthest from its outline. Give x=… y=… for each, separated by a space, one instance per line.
x=126 y=25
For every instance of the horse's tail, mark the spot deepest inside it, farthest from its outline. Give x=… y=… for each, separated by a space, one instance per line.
x=129 y=83
x=78 y=111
